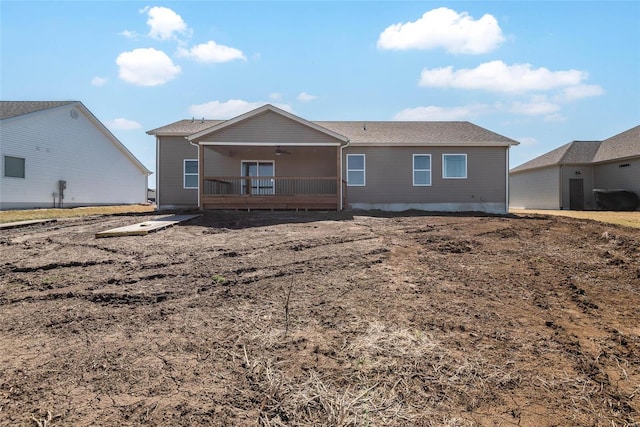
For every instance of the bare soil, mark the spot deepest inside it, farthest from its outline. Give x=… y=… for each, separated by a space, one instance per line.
x=321 y=319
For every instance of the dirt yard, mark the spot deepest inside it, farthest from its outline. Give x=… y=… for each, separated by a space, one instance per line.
x=321 y=319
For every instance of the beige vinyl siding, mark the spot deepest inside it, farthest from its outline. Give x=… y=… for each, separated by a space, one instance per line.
x=272 y=128
x=535 y=189
x=226 y=161
x=610 y=176
x=172 y=151
x=301 y=162
x=389 y=178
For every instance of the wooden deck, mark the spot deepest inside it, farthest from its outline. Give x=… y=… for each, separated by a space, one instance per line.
x=270 y=202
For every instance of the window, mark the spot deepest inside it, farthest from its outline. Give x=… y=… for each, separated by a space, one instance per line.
x=14 y=167
x=355 y=170
x=262 y=168
x=190 y=173
x=454 y=166
x=421 y=170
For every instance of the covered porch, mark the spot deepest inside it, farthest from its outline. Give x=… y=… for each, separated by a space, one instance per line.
x=269 y=159
x=270 y=176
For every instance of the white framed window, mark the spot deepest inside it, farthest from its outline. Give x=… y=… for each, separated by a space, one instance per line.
x=190 y=173
x=422 y=170
x=454 y=166
x=356 y=176
x=14 y=167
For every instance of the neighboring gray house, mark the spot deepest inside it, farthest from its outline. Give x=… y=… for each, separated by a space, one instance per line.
x=271 y=159
x=53 y=149
x=565 y=178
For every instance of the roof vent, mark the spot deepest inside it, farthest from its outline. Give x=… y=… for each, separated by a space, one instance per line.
x=74 y=114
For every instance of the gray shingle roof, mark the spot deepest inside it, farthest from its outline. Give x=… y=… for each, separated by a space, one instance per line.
x=426 y=132
x=581 y=152
x=576 y=152
x=373 y=132
x=620 y=146
x=184 y=127
x=10 y=109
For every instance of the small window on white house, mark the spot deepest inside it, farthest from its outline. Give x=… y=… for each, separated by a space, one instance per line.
x=190 y=173
x=454 y=166
x=14 y=167
x=356 y=170
x=421 y=170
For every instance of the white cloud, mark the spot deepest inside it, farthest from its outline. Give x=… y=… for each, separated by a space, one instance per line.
x=129 y=34
x=123 y=124
x=98 y=81
x=535 y=107
x=276 y=96
x=164 y=23
x=228 y=109
x=446 y=28
x=146 y=67
x=442 y=113
x=212 y=52
x=500 y=77
x=573 y=93
x=306 y=97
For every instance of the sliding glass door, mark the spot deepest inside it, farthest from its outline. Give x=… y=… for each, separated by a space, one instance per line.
x=261 y=177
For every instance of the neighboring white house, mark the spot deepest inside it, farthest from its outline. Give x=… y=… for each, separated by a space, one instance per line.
x=53 y=149
x=565 y=178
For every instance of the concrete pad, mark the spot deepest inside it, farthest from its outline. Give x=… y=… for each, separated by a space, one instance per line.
x=18 y=224
x=144 y=228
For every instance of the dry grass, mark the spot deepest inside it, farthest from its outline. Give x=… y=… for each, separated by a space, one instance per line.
x=362 y=322
x=25 y=215
x=625 y=219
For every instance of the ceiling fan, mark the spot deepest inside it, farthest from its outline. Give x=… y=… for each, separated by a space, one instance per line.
x=281 y=151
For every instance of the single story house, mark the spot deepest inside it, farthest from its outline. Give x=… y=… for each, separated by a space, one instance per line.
x=271 y=159
x=60 y=154
x=565 y=178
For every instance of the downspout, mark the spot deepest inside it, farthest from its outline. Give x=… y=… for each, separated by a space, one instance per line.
x=507 y=186
x=157 y=172
x=342 y=147
x=199 y=177
x=560 y=177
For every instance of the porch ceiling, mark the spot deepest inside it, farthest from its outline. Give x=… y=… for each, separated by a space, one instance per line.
x=230 y=150
x=271 y=144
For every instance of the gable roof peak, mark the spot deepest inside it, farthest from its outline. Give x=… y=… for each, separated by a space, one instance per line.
x=261 y=110
x=623 y=145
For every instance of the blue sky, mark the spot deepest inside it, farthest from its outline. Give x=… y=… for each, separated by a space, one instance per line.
x=541 y=72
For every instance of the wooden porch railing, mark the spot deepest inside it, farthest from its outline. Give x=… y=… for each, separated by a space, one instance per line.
x=270 y=192
x=269 y=186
